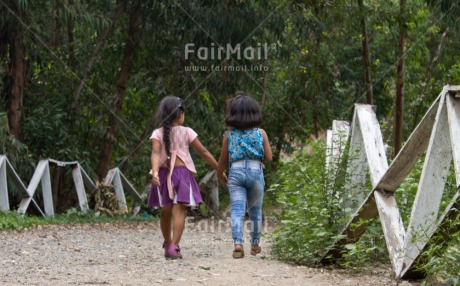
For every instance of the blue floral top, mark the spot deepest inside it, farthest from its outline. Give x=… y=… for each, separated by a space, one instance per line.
x=245 y=144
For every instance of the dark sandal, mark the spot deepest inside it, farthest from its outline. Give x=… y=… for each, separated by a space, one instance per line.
x=255 y=249
x=238 y=253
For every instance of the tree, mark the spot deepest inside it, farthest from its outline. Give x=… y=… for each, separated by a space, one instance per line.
x=399 y=99
x=132 y=41
x=366 y=55
x=16 y=79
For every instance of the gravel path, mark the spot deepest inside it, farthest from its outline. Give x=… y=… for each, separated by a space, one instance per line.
x=131 y=254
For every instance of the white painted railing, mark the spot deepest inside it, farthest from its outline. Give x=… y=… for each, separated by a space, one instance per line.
x=438 y=134
x=337 y=139
x=42 y=175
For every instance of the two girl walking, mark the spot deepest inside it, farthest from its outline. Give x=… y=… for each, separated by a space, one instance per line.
x=174 y=188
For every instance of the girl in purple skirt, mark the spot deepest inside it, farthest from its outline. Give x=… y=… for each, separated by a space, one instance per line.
x=173 y=186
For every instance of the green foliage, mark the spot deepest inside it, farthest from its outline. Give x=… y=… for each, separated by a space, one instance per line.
x=311 y=208
x=442 y=259
x=405 y=194
x=314 y=69
x=368 y=251
x=313 y=211
x=17 y=153
x=314 y=76
x=315 y=208
x=14 y=221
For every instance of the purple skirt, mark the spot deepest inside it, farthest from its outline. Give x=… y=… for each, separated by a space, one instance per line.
x=185 y=188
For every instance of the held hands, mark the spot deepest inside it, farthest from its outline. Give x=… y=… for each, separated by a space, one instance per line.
x=155 y=179
x=222 y=178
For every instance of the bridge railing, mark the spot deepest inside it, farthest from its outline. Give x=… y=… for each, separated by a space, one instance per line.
x=41 y=176
x=437 y=135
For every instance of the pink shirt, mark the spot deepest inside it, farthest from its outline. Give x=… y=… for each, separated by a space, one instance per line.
x=180 y=139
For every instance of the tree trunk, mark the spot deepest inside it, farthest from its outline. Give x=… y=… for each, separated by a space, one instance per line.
x=366 y=55
x=17 y=78
x=399 y=100
x=126 y=67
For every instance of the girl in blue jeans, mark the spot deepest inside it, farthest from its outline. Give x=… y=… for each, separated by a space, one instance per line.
x=245 y=146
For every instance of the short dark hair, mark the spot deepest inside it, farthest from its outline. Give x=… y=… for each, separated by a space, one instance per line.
x=243 y=112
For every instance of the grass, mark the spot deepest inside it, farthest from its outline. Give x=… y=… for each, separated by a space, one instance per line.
x=11 y=220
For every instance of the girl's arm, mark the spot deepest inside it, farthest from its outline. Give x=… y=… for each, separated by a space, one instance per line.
x=204 y=153
x=223 y=161
x=267 y=148
x=155 y=160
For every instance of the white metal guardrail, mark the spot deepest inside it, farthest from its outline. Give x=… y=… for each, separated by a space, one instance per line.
x=438 y=134
x=42 y=176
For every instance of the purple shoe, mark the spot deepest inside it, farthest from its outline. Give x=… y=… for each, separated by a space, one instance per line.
x=174 y=252
x=166 y=248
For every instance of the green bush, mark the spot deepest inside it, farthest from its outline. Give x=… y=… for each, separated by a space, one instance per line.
x=313 y=213
x=442 y=259
x=315 y=207
x=11 y=220
x=311 y=207
x=14 y=221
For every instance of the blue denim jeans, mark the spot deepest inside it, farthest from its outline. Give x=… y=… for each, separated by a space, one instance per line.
x=246 y=184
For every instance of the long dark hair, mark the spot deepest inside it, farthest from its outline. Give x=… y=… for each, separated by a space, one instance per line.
x=243 y=112
x=168 y=111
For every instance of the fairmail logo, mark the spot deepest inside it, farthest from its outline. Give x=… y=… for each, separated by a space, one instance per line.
x=215 y=52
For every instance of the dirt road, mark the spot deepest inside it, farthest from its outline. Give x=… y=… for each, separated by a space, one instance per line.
x=131 y=254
